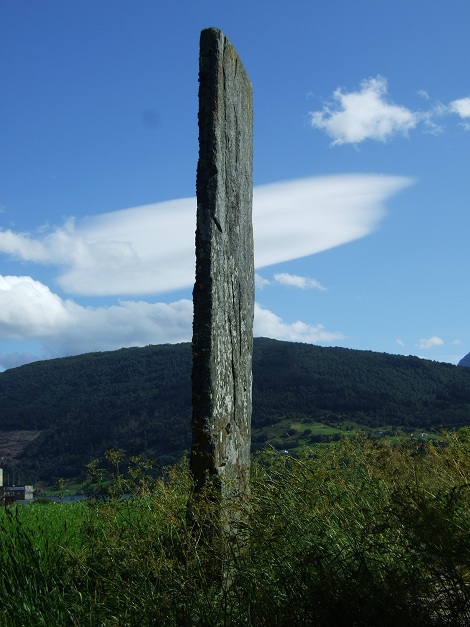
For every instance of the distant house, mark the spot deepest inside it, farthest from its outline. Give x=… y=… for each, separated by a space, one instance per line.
x=12 y=494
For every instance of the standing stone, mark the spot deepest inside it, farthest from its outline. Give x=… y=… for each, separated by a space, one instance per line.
x=223 y=293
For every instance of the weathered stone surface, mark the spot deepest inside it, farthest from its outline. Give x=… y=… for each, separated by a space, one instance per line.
x=224 y=288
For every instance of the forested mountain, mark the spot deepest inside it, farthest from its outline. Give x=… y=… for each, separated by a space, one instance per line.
x=465 y=361
x=139 y=399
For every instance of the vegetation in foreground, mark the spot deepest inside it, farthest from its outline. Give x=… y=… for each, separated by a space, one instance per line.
x=354 y=533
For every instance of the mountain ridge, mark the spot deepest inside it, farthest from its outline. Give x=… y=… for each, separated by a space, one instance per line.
x=139 y=399
x=465 y=361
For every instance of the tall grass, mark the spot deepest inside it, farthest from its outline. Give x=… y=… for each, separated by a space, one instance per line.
x=365 y=534
x=36 y=544
x=352 y=533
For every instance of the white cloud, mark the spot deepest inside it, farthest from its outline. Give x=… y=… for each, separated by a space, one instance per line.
x=364 y=114
x=461 y=107
x=150 y=249
x=400 y=342
x=28 y=308
x=22 y=246
x=301 y=282
x=260 y=281
x=430 y=342
x=268 y=324
x=355 y=116
x=29 y=311
x=297 y=218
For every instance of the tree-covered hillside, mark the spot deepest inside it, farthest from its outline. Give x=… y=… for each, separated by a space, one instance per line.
x=139 y=399
x=367 y=387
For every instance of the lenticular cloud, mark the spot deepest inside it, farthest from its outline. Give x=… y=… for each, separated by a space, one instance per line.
x=150 y=249
x=299 y=218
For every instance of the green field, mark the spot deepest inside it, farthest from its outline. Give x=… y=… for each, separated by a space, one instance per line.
x=288 y=434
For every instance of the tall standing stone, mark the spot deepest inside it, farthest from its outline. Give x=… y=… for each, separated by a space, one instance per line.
x=224 y=288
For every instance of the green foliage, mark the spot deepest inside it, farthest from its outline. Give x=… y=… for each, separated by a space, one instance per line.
x=140 y=399
x=365 y=534
x=355 y=533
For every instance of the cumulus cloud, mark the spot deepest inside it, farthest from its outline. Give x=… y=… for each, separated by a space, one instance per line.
x=150 y=249
x=365 y=114
x=430 y=342
x=355 y=116
x=301 y=282
x=268 y=324
x=29 y=311
x=461 y=107
x=29 y=307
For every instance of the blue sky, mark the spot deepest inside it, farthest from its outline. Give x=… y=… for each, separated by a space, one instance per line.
x=361 y=152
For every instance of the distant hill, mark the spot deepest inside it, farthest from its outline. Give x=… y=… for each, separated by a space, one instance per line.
x=71 y=410
x=465 y=361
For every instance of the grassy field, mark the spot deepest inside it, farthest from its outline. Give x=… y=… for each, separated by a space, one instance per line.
x=356 y=532
x=287 y=434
